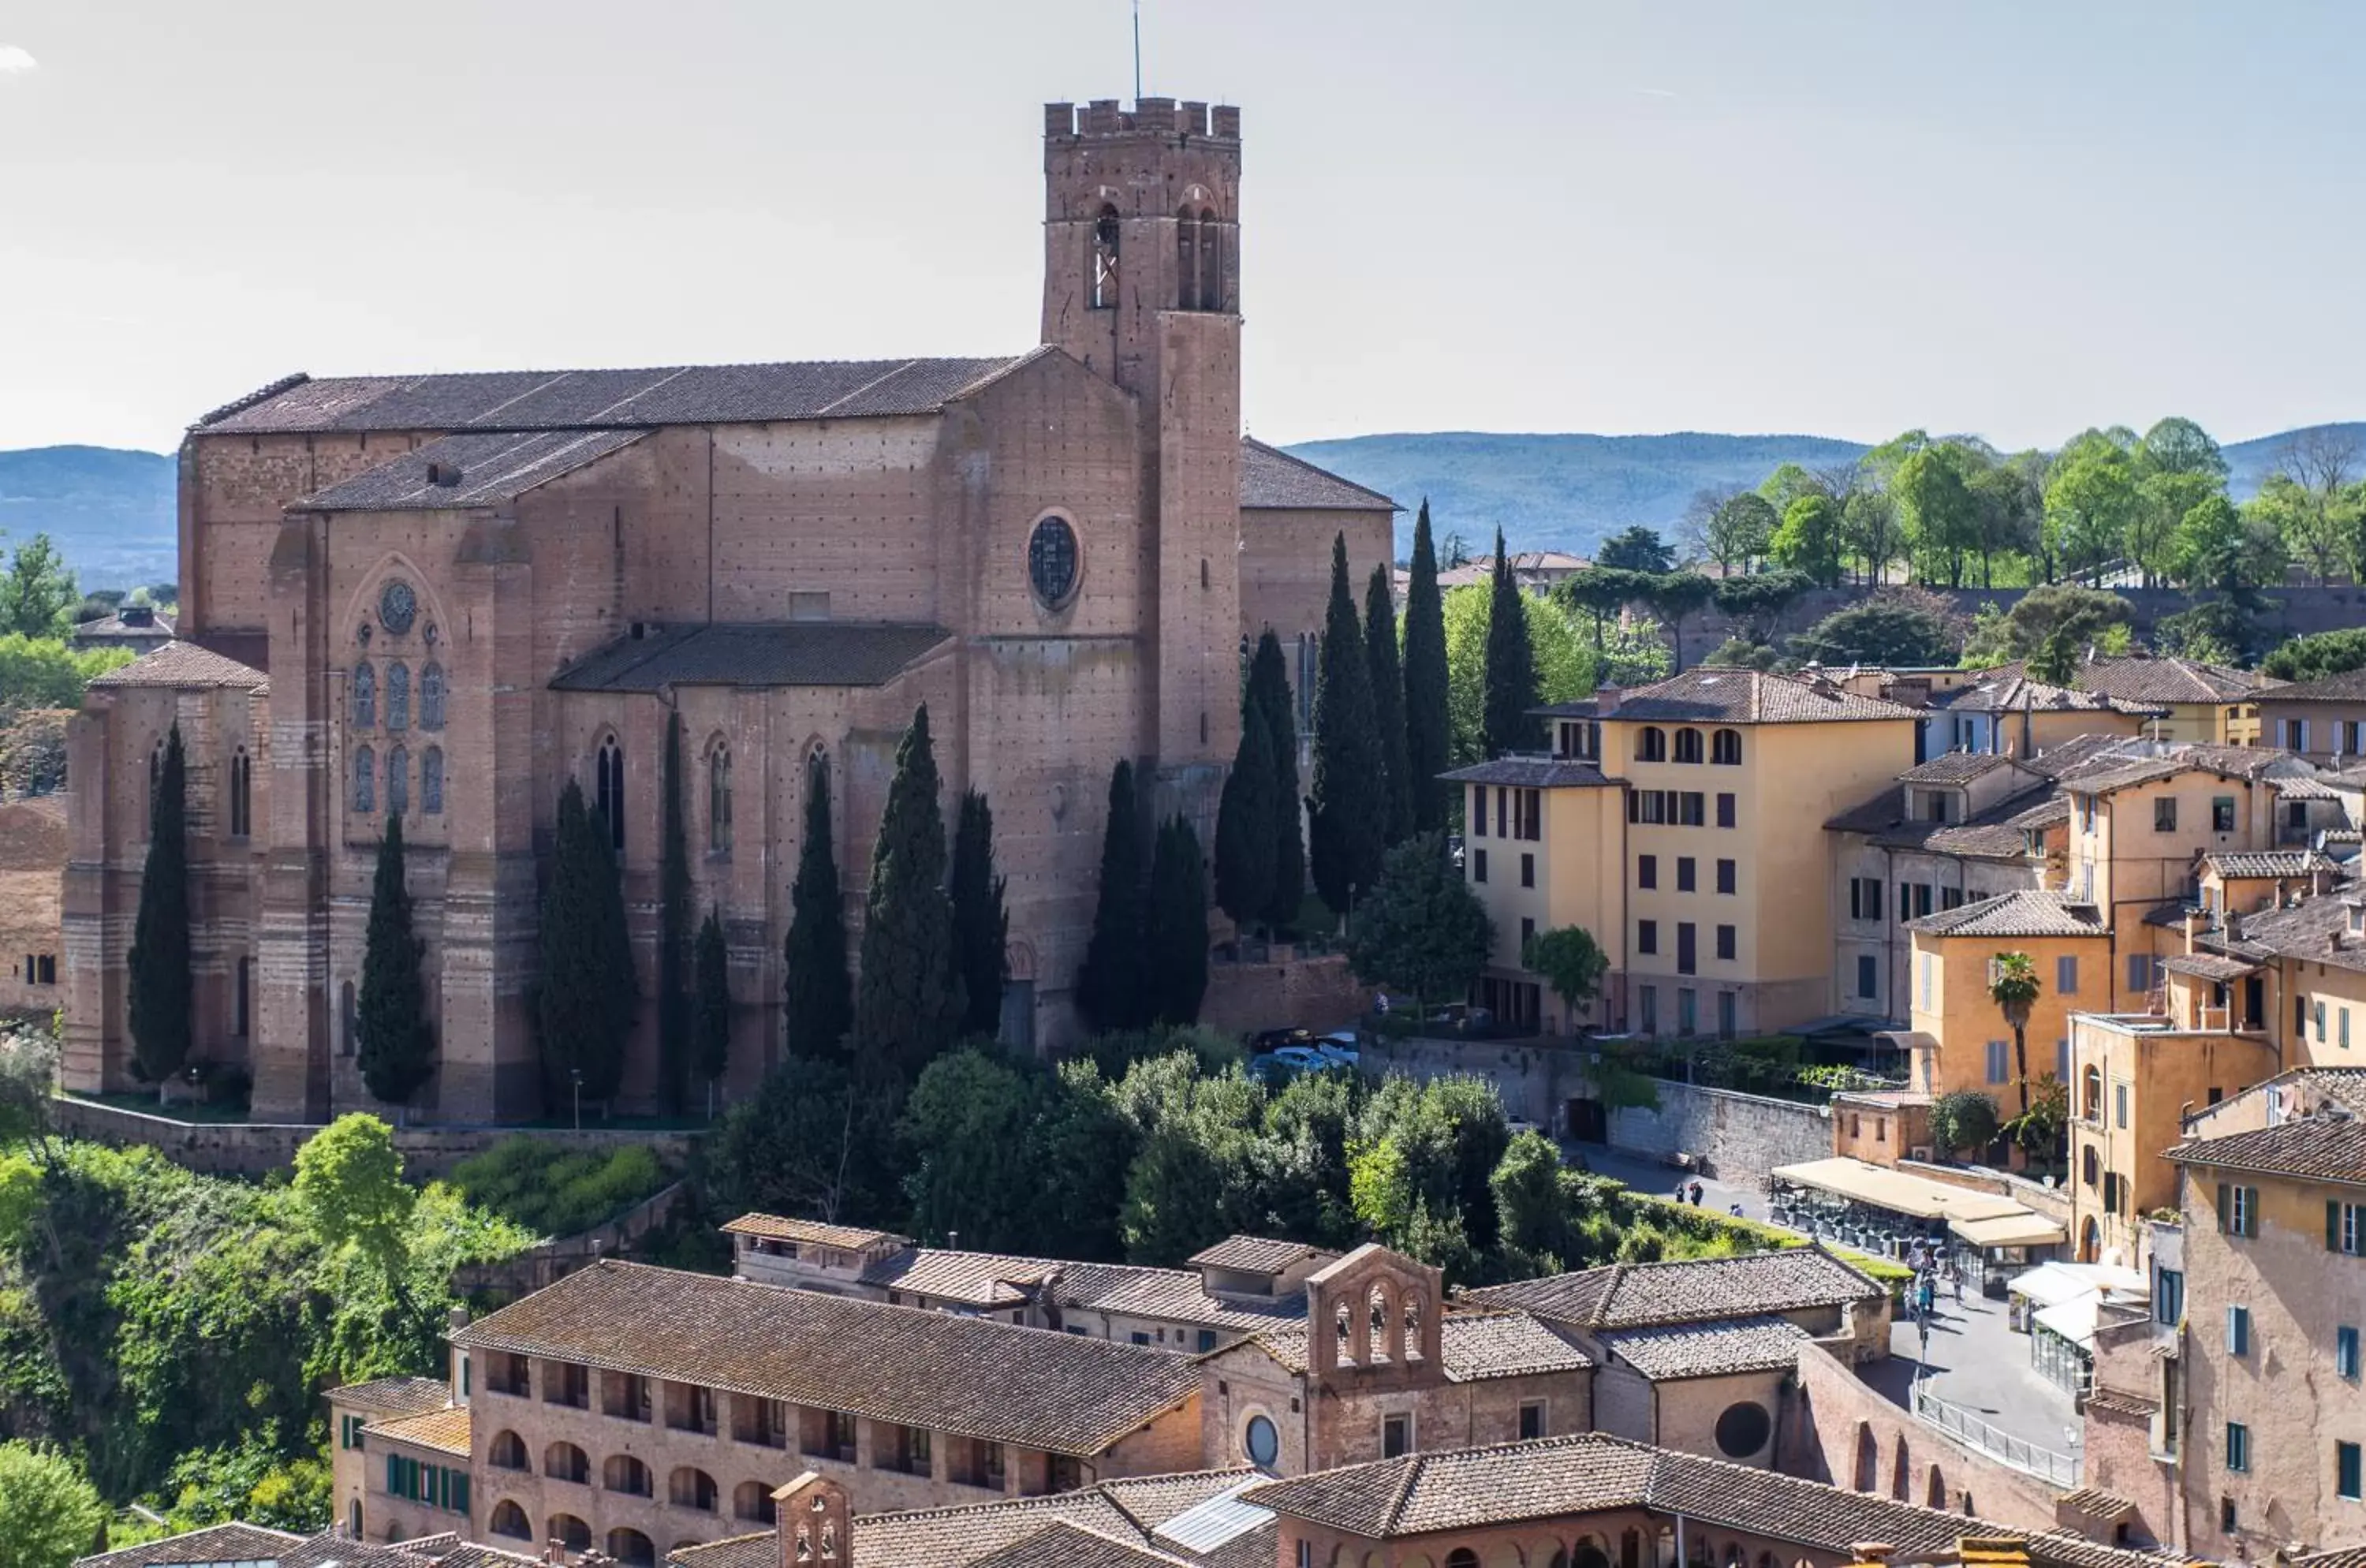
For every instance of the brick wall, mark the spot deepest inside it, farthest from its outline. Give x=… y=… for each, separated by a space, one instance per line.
x=1743 y=1136
x=1315 y=993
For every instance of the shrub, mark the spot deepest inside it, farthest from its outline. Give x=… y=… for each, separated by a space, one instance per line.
x=521 y=1180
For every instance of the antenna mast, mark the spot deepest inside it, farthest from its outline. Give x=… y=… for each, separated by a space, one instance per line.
x=1137 y=51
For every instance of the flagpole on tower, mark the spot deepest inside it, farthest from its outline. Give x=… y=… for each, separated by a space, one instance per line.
x=1137 y=51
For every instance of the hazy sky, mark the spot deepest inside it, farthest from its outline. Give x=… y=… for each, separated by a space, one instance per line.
x=1809 y=215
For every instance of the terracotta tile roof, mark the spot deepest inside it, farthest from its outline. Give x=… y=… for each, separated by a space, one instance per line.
x=2208 y=966
x=780 y=1227
x=1993 y=834
x=2341 y=1557
x=470 y=1555
x=2349 y=686
x=1533 y=773
x=1273 y=480
x=1715 y=695
x=2268 y=863
x=1996 y=691
x=761 y=1549
x=445 y=1431
x=1150 y=1500
x=2098 y=1503
x=476 y=470
x=1960 y=767
x=2160 y=678
x=1064 y=1545
x=2310 y=1149
x=184 y=666
x=1698 y=1289
x=2026 y=912
x=1063 y=1392
x=2302 y=786
x=791 y=653
x=390 y=1397
x=1476 y=1346
x=1173 y=1295
x=217 y=1543
x=970 y=1279
x=2121 y=1403
x=2310 y=928
x=957 y=1538
x=1252 y=1254
x=1710 y=1350
x=2065 y=757
x=2343 y=1086
x=575 y=400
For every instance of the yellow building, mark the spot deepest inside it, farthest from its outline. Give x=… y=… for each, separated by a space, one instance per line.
x=1677 y=823
x=1960 y=1039
x=2004 y=711
x=2208 y=703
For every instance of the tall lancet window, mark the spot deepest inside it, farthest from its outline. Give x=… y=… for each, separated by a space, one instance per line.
x=1187 y=260
x=1212 y=262
x=1105 y=230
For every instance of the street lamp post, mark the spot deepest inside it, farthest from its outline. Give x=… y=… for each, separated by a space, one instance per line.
x=577 y=1074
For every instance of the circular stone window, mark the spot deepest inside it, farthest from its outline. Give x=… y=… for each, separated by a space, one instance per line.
x=397 y=605
x=1744 y=1430
x=1262 y=1441
x=1052 y=561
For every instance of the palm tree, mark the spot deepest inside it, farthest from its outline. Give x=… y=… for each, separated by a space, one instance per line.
x=2013 y=986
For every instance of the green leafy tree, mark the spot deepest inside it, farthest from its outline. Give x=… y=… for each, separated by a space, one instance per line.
x=1531 y=1213
x=1245 y=825
x=909 y=1003
x=1893 y=628
x=1512 y=682
x=1566 y=667
x=1113 y=989
x=1388 y=703
x=2043 y=1128
x=2056 y=660
x=806 y=1144
x=1601 y=592
x=1571 y=963
x=588 y=991
x=1790 y=481
x=817 y=991
x=1422 y=932
x=1740 y=531
x=2013 y=986
x=2009 y=517
x=2314 y=488
x=673 y=929
x=981 y=919
x=2312 y=527
x=43 y=672
x=1677 y=595
x=969 y=1123
x=1809 y=540
x=1965 y=1119
x=1758 y=600
x=350 y=1190
x=1937 y=510
x=1269 y=694
x=50 y=1515
x=2091 y=501
x=710 y=1020
x=37 y=594
x=161 y=990
x=1177 y=945
x=2085 y=616
x=1429 y=728
x=1635 y=548
x=1346 y=810
x=2314 y=657
x=394 y=1040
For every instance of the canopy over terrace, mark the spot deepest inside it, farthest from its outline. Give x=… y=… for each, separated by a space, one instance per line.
x=1984 y=1219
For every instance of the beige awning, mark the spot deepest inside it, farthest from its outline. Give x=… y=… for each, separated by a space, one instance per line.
x=2011 y=1230
x=1896 y=1190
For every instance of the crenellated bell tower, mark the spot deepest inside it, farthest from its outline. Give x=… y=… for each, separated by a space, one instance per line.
x=1141 y=283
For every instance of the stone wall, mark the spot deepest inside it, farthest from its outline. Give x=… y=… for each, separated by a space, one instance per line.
x=554 y=1260
x=1315 y=993
x=255 y=1148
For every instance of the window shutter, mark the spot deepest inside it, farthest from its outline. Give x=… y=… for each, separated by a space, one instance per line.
x=2250 y=1210
x=394 y=1475
x=2226 y=1208
x=2333 y=1224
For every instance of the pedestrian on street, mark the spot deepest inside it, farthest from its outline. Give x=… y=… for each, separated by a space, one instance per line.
x=1697 y=1194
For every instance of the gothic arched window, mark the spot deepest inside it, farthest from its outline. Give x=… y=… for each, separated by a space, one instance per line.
x=608 y=789
x=1688 y=745
x=364 y=779
x=1725 y=748
x=1105 y=234
x=398 y=781
x=242 y=810
x=430 y=697
x=1212 y=262
x=398 y=695
x=718 y=800
x=431 y=782
x=1187 y=261
x=365 y=697
x=1650 y=744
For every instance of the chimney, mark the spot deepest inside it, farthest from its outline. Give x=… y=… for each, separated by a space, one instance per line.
x=1606 y=699
x=815 y=1523
x=454 y=1321
x=1871 y=1552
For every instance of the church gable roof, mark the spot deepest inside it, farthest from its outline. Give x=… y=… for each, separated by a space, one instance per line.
x=477 y=469
x=184 y=666
x=580 y=400
x=800 y=653
x=1271 y=479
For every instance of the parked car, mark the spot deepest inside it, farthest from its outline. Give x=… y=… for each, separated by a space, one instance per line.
x=1286 y=1061
x=1275 y=1039
x=1340 y=1047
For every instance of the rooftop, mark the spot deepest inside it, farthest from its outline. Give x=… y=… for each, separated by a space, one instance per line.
x=445 y=1431
x=2315 y=929
x=1698 y=1290
x=2349 y=686
x=2270 y=862
x=1062 y=1393
x=2025 y=912
x=1710 y=1350
x=1130 y=1511
x=391 y=1397
x=1719 y=695
x=1997 y=691
x=1254 y=1255
x=795 y=653
x=184 y=666
x=1476 y=1346
x=780 y=1227
x=475 y=470
x=2158 y=679
x=1960 y=767
x=1533 y=773
x=2310 y=1148
x=1273 y=480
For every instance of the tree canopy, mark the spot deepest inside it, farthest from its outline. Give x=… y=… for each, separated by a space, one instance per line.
x=394 y=1043
x=1347 y=806
x=1111 y=989
x=2314 y=657
x=817 y=990
x=1423 y=932
x=587 y=991
x=1893 y=628
x=1428 y=725
x=908 y=1001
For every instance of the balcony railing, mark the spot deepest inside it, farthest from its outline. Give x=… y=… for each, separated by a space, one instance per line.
x=2059 y=1470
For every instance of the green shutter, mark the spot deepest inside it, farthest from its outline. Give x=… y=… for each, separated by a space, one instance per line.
x=394 y=1475
x=459 y=1491
x=2333 y=1224
x=2226 y=1207
x=2251 y=1211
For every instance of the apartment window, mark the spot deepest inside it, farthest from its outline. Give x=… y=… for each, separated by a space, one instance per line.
x=1725 y=943
x=1729 y=873
x=1207 y=1340
x=1478 y=811
x=1690 y=812
x=2320 y=1009
x=1725 y=809
x=1647 y=936
x=2347 y=1479
x=1688 y=955
x=2120 y=1105
x=1650 y=744
x=2238 y=1331
x=2238 y=1209
x=2140 y=971
x=1688 y=745
x=1141 y=1337
x=1532 y=1419
x=1951 y=897
x=2345 y=1029
x=1929 y=973
x=1687 y=1009
x=2227 y=1516
x=1999 y=1061
x=2168 y=1296
x=2066 y=976
x=2164 y=814
x=2221 y=814
x=1528 y=871
x=2111 y=1204
x=349 y=1430
x=1921 y=899
x=2295 y=734
x=1648 y=805
x=1527 y=936
x=1687 y=873
x=1864 y=897
x=1477 y=865
x=1532 y=814
x=2345 y=1352
x=2238 y=1447
x=1647 y=871
x=1651 y=1009
x=1725 y=1011
x=1869 y=975
x=2344 y=1227
x=1396 y=1431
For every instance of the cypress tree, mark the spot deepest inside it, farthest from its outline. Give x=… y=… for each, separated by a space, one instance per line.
x=673 y=931
x=1111 y=989
x=1511 y=675
x=908 y=1004
x=1177 y=945
x=817 y=994
x=161 y=989
x=1245 y=824
x=1388 y=705
x=710 y=1023
x=981 y=923
x=1269 y=694
x=1429 y=732
x=1346 y=807
x=588 y=989
x=394 y=1047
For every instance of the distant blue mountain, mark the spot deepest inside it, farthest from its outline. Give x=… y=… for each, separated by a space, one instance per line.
x=111 y=511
